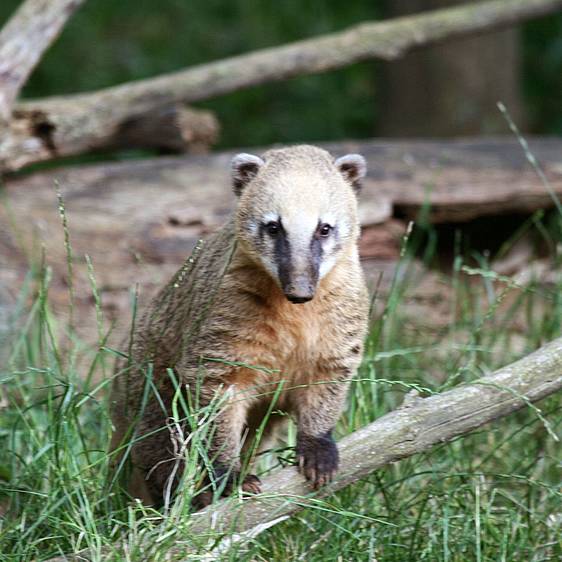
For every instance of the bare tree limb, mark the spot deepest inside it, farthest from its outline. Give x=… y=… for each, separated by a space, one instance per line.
x=35 y=135
x=66 y=125
x=413 y=428
x=385 y=40
x=24 y=39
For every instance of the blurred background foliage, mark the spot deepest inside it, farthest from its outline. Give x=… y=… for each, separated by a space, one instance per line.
x=108 y=42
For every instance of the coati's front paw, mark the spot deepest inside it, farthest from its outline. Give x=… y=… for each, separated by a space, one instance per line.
x=250 y=485
x=317 y=458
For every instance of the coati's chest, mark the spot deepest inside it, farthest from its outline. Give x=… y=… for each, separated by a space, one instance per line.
x=284 y=351
x=299 y=342
x=294 y=335
x=265 y=339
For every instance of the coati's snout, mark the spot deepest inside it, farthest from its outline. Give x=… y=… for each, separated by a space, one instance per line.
x=293 y=260
x=299 y=292
x=297 y=214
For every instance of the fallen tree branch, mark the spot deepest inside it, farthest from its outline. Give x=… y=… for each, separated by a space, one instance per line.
x=24 y=39
x=411 y=429
x=36 y=135
x=417 y=426
x=74 y=124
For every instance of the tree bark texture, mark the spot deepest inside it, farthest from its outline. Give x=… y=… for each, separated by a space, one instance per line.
x=451 y=89
x=24 y=39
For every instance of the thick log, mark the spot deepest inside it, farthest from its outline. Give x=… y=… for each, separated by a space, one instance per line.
x=413 y=428
x=69 y=125
x=24 y=39
x=139 y=220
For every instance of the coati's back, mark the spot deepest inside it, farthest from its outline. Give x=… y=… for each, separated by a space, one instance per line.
x=173 y=318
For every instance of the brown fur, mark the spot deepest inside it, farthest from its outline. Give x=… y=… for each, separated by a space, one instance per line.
x=224 y=304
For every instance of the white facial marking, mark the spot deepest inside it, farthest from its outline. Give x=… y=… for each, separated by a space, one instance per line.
x=270 y=217
x=326 y=266
x=300 y=229
x=253 y=228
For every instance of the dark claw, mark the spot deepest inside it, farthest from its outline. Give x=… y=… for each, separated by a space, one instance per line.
x=250 y=486
x=317 y=458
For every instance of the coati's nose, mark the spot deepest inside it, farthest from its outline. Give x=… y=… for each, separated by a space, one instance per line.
x=299 y=291
x=299 y=300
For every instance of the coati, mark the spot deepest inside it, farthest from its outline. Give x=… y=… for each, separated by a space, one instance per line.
x=279 y=287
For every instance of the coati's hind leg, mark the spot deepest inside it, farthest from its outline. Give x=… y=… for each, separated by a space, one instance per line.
x=157 y=463
x=153 y=468
x=122 y=475
x=255 y=427
x=262 y=431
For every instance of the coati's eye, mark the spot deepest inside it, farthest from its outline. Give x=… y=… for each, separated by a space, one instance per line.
x=324 y=230
x=273 y=228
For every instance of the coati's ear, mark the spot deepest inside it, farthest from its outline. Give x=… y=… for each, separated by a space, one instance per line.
x=353 y=168
x=244 y=168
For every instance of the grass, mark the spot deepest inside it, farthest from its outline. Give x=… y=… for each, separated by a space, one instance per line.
x=489 y=496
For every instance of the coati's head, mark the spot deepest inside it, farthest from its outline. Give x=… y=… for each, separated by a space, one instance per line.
x=297 y=213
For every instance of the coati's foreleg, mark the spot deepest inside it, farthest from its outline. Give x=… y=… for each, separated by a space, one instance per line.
x=318 y=408
x=157 y=462
x=224 y=443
